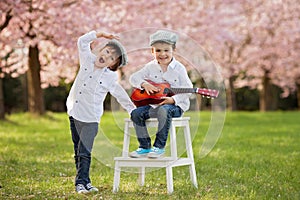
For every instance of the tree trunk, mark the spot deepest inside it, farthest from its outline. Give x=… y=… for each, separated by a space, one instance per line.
x=266 y=96
x=232 y=105
x=35 y=92
x=2 y=111
x=298 y=96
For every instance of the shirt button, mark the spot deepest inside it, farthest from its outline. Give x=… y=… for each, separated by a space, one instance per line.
x=85 y=69
x=100 y=82
x=80 y=92
x=76 y=101
x=84 y=84
x=91 y=77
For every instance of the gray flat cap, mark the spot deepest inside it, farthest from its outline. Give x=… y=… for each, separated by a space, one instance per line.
x=163 y=36
x=117 y=44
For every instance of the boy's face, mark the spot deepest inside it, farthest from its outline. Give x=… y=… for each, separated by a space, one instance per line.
x=106 y=57
x=163 y=53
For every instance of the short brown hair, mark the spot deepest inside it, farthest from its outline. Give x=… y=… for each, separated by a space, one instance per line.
x=116 y=65
x=119 y=58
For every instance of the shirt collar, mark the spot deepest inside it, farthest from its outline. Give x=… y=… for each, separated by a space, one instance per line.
x=93 y=57
x=172 y=63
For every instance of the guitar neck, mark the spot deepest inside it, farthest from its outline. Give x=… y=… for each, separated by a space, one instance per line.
x=182 y=90
x=203 y=91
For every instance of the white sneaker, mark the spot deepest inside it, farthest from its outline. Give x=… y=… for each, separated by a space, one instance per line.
x=80 y=189
x=91 y=188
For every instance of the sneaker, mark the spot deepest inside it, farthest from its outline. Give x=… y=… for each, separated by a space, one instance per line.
x=91 y=188
x=156 y=153
x=80 y=189
x=140 y=152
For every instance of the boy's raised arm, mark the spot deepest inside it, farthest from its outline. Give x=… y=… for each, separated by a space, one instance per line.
x=107 y=35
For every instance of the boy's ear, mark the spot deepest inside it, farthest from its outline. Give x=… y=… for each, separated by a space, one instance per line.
x=152 y=50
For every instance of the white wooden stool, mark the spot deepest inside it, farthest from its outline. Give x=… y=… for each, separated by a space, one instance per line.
x=167 y=162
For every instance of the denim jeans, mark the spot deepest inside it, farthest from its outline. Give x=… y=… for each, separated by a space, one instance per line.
x=83 y=135
x=164 y=116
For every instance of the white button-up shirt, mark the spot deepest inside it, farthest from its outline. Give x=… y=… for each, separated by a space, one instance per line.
x=86 y=97
x=176 y=75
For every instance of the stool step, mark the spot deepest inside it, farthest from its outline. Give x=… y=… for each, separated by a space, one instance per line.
x=148 y=162
x=145 y=159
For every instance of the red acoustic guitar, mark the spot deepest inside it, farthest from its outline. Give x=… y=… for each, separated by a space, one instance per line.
x=141 y=98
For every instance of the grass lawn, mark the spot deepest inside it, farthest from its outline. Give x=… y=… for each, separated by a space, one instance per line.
x=256 y=157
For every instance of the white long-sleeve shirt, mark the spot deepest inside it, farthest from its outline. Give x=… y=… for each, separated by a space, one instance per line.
x=86 y=97
x=176 y=75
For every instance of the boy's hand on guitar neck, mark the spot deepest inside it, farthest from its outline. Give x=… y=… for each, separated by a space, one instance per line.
x=149 y=88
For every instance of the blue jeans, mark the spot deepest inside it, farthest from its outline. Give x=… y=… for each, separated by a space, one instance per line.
x=164 y=116
x=83 y=135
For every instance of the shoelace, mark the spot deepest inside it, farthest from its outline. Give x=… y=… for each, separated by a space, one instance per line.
x=139 y=149
x=89 y=186
x=80 y=187
x=155 y=149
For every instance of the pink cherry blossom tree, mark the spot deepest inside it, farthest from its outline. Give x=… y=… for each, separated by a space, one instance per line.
x=6 y=17
x=256 y=43
x=38 y=38
x=271 y=57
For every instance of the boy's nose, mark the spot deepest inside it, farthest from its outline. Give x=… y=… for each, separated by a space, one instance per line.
x=106 y=56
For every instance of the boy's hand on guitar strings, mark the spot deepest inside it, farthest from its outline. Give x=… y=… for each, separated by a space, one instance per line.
x=149 y=88
x=167 y=100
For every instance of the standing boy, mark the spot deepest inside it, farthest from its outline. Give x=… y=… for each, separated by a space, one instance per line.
x=96 y=77
x=164 y=68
